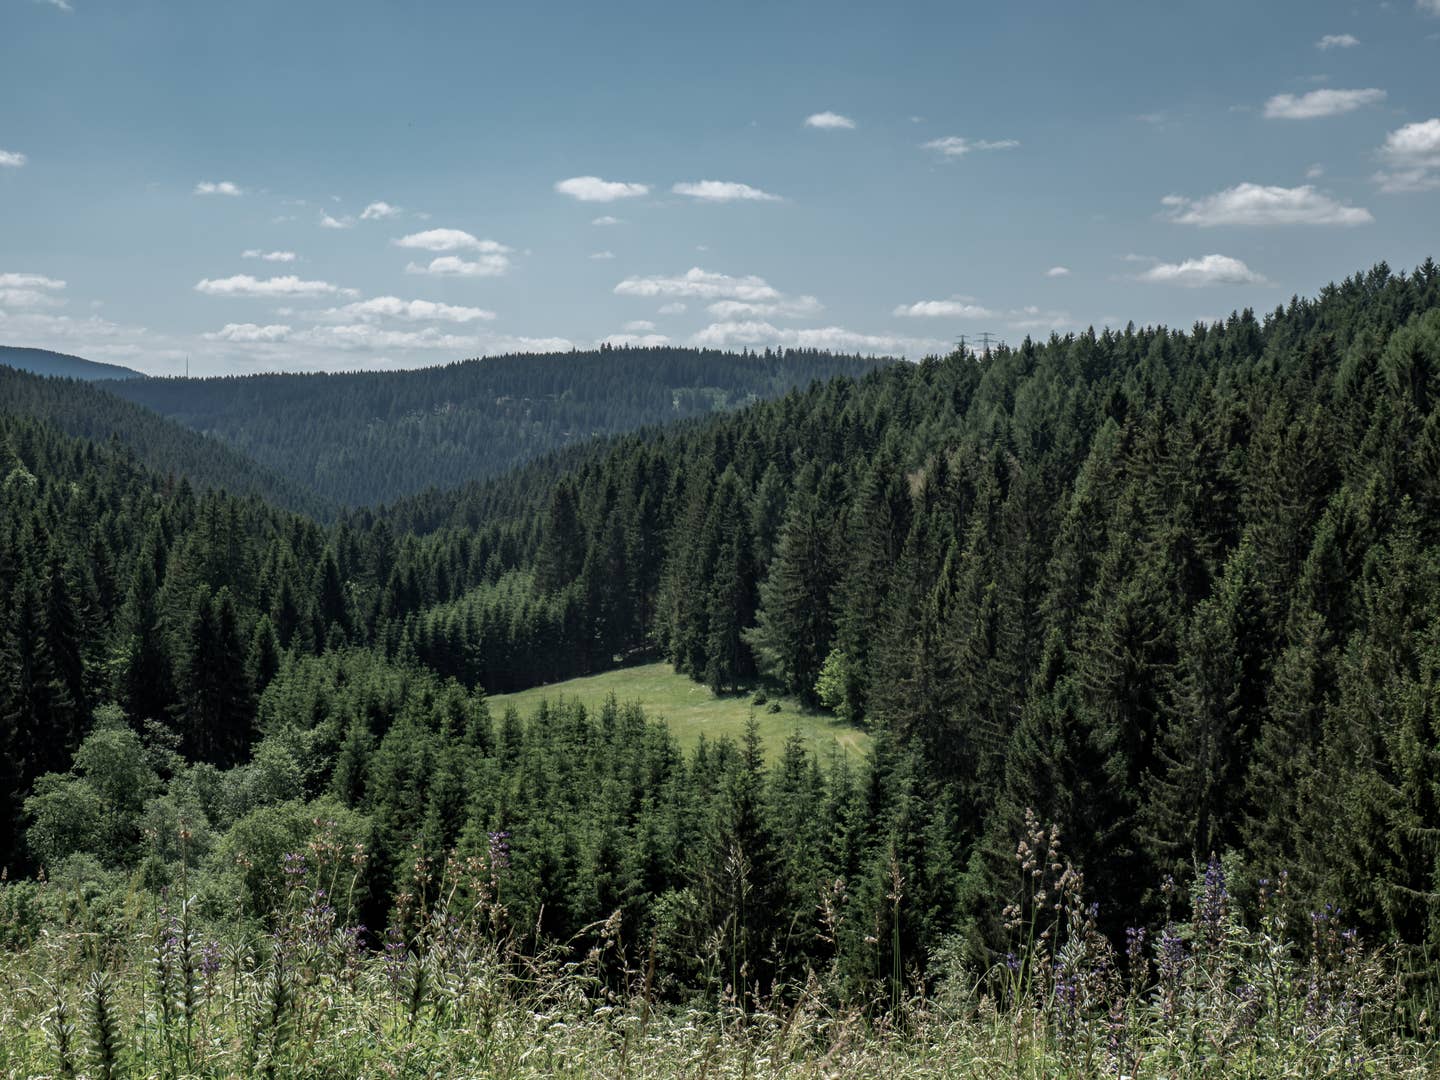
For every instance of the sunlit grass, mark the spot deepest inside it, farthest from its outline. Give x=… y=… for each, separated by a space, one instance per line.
x=691 y=709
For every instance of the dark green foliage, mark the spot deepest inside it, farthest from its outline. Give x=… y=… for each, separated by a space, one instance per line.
x=363 y=438
x=1177 y=593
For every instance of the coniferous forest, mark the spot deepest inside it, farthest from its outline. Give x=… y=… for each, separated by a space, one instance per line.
x=1144 y=627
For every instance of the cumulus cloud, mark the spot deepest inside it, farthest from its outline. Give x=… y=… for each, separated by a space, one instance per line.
x=943 y=309
x=639 y=326
x=329 y=222
x=836 y=338
x=1058 y=271
x=829 y=121
x=1260 y=204
x=722 y=191
x=245 y=285
x=702 y=285
x=61 y=5
x=798 y=307
x=269 y=256
x=30 y=291
x=954 y=146
x=218 y=187
x=1412 y=156
x=450 y=240
x=607 y=219
x=1206 y=270
x=1319 y=103
x=675 y=307
x=29 y=281
x=377 y=211
x=393 y=307
x=1337 y=41
x=602 y=256
x=454 y=266
x=1031 y=317
x=594 y=189
x=636 y=341
x=249 y=333
x=12 y=159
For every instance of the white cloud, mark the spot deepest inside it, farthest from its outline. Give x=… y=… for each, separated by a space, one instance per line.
x=218 y=187
x=722 y=191
x=700 y=284
x=1337 y=41
x=1206 y=270
x=675 y=307
x=450 y=240
x=953 y=146
x=29 y=281
x=1412 y=153
x=28 y=298
x=1314 y=172
x=602 y=256
x=1431 y=7
x=943 y=309
x=836 y=338
x=454 y=266
x=639 y=326
x=1259 y=204
x=269 y=256
x=12 y=159
x=377 y=211
x=799 y=307
x=829 y=121
x=30 y=291
x=1319 y=103
x=594 y=189
x=62 y=5
x=392 y=307
x=607 y=219
x=245 y=285
x=636 y=341
x=328 y=222
x=249 y=333
x=1033 y=318
x=1058 y=271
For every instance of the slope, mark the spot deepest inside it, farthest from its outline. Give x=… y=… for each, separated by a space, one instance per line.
x=362 y=438
x=84 y=410
x=63 y=365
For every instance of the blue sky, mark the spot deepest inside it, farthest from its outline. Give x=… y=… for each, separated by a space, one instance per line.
x=298 y=186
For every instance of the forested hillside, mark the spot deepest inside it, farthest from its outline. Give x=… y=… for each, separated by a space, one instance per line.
x=1177 y=593
x=62 y=365
x=363 y=438
x=76 y=407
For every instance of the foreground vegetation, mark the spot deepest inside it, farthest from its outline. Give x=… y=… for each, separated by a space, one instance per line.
x=692 y=710
x=453 y=988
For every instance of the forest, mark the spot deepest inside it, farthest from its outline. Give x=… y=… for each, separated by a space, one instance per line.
x=1144 y=626
x=355 y=439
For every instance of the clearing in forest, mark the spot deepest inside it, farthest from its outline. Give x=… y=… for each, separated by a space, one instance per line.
x=691 y=709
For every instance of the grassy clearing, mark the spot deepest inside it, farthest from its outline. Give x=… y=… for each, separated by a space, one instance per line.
x=692 y=710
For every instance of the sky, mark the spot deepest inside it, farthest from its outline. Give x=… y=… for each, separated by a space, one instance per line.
x=316 y=186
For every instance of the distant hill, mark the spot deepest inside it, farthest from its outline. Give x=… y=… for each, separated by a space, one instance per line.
x=63 y=365
x=369 y=437
x=81 y=409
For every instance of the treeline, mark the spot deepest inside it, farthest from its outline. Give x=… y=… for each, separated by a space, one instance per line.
x=362 y=438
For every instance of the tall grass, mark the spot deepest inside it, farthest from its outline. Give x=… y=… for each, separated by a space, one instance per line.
x=449 y=991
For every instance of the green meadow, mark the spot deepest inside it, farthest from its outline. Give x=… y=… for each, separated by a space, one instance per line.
x=692 y=710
